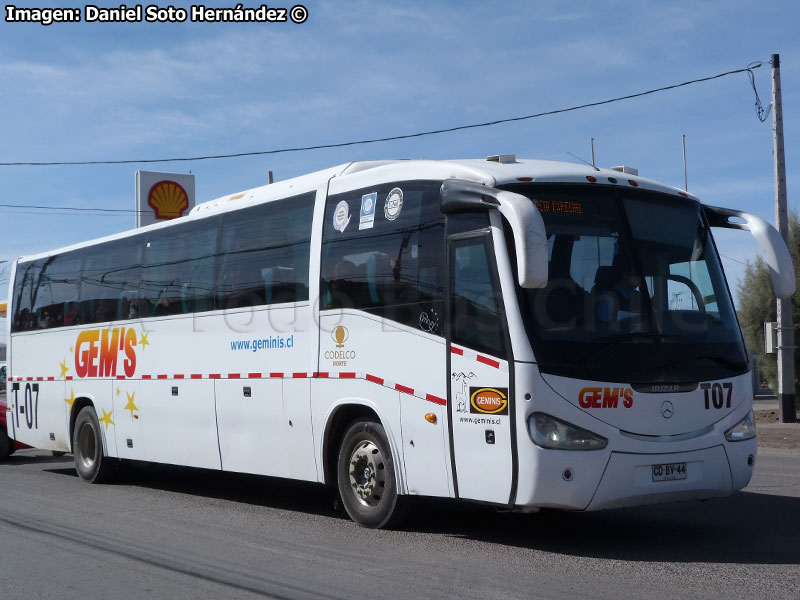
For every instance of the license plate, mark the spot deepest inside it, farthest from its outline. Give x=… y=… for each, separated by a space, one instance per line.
x=669 y=472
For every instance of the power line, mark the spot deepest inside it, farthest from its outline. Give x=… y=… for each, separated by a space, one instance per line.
x=55 y=213
x=104 y=210
x=733 y=259
x=747 y=69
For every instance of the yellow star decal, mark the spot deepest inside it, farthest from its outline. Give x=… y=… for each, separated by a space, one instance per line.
x=106 y=420
x=64 y=368
x=118 y=391
x=143 y=342
x=130 y=405
x=71 y=399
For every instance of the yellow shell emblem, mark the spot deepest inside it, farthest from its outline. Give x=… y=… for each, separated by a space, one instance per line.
x=168 y=199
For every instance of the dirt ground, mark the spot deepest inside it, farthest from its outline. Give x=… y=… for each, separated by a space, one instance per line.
x=775 y=437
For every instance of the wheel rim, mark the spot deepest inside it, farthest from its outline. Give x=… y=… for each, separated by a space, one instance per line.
x=87 y=446
x=367 y=472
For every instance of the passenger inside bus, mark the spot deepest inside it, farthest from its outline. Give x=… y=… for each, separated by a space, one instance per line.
x=616 y=292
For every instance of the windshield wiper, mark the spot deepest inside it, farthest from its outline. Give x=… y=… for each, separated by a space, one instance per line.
x=716 y=358
x=610 y=340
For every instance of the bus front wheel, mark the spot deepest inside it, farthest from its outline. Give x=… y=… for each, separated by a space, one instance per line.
x=87 y=446
x=366 y=476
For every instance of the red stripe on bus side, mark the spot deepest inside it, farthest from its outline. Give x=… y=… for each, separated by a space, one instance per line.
x=435 y=399
x=120 y=376
x=254 y=375
x=404 y=389
x=299 y=375
x=196 y=375
x=178 y=376
x=29 y=379
x=321 y=375
x=162 y=376
x=68 y=378
x=40 y=379
x=347 y=375
x=374 y=379
x=234 y=375
x=51 y=379
x=488 y=361
x=276 y=375
x=147 y=377
x=455 y=350
x=214 y=376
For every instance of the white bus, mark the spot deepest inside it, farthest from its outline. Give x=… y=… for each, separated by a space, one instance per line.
x=515 y=332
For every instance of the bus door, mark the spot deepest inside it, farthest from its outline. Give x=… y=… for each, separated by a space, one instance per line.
x=479 y=394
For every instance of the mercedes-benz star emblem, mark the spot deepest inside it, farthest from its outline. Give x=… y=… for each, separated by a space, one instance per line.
x=667 y=409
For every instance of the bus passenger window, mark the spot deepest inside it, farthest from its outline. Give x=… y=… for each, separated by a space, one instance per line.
x=264 y=253
x=110 y=279
x=24 y=316
x=178 y=270
x=395 y=267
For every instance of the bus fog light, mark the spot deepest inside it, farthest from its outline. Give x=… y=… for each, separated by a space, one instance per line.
x=743 y=430
x=549 y=432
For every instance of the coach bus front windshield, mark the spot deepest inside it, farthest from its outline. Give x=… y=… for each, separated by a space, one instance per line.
x=636 y=292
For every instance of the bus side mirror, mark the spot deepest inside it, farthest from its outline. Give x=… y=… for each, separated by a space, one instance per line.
x=530 y=238
x=527 y=227
x=776 y=254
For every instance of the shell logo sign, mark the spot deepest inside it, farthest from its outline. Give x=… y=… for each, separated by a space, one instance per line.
x=163 y=196
x=168 y=199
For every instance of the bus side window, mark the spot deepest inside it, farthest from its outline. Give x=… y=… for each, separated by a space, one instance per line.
x=395 y=266
x=57 y=291
x=110 y=279
x=22 y=296
x=264 y=253
x=177 y=270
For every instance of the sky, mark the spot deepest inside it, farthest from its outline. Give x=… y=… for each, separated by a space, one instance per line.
x=361 y=69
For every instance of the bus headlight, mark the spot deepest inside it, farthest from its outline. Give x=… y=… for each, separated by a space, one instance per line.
x=743 y=430
x=549 y=432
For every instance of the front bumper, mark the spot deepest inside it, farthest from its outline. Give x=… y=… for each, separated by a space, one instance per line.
x=625 y=478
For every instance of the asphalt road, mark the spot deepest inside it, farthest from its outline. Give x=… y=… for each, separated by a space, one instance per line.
x=166 y=532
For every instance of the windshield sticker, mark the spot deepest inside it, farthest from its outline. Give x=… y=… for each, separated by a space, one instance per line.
x=367 y=219
x=597 y=397
x=393 y=204
x=341 y=216
x=488 y=400
x=560 y=206
x=429 y=322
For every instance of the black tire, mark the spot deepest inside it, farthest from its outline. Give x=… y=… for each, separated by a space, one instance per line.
x=6 y=445
x=366 y=476
x=87 y=446
x=58 y=453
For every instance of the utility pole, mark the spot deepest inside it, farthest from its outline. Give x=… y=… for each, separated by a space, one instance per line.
x=786 y=389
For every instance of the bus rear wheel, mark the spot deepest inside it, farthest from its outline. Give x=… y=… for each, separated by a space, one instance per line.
x=87 y=446
x=366 y=476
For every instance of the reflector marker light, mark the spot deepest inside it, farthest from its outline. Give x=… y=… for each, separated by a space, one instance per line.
x=633 y=183
x=591 y=179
